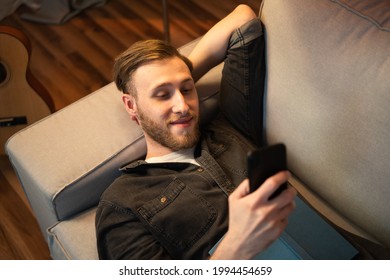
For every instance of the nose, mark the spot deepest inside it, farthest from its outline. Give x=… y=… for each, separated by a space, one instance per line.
x=180 y=105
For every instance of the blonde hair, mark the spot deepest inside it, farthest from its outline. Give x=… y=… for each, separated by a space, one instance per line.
x=138 y=54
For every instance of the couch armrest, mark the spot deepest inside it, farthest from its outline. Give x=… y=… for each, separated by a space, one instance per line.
x=65 y=161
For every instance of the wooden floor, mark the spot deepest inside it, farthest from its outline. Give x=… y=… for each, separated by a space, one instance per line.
x=20 y=236
x=75 y=58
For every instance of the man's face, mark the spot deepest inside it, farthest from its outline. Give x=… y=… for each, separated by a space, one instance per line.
x=167 y=105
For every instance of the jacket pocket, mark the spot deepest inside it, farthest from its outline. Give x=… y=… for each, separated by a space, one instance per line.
x=179 y=215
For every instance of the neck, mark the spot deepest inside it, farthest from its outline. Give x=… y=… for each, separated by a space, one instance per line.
x=157 y=153
x=155 y=149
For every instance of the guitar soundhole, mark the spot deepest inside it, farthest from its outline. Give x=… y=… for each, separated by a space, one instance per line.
x=4 y=74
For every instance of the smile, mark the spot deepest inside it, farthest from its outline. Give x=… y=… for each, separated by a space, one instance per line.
x=182 y=121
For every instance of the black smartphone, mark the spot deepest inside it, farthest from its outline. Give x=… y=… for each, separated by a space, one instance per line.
x=264 y=163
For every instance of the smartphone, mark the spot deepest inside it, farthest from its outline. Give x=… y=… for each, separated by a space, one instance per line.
x=264 y=163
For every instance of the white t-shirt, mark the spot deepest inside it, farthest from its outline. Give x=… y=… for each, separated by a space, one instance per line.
x=186 y=155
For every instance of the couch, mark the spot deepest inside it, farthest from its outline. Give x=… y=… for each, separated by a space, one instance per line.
x=327 y=98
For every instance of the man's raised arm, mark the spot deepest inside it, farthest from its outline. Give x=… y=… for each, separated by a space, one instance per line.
x=211 y=49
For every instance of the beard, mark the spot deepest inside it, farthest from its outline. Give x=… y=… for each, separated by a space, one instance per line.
x=166 y=138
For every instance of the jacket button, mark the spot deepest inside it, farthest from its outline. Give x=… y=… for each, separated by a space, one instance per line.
x=163 y=199
x=200 y=169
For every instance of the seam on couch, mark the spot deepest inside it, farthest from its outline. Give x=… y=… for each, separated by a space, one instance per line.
x=360 y=14
x=209 y=96
x=54 y=241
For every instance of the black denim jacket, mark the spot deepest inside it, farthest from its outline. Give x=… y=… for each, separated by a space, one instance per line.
x=173 y=210
x=180 y=210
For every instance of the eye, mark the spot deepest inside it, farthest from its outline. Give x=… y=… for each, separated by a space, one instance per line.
x=162 y=94
x=187 y=89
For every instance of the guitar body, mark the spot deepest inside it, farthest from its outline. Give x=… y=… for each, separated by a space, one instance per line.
x=23 y=100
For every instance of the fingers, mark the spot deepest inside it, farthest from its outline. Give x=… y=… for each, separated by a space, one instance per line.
x=266 y=189
x=281 y=206
x=286 y=210
x=272 y=184
x=254 y=220
x=242 y=190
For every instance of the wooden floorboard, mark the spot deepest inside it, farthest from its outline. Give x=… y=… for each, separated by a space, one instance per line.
x=74 y=59
x=20 y=236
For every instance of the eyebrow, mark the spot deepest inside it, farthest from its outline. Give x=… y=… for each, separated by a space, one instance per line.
x=169 y=84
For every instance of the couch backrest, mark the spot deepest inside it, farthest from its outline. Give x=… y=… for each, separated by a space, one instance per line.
x=328 y=99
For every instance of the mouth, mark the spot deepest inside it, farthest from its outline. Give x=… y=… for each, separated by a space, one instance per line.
x=183 y=121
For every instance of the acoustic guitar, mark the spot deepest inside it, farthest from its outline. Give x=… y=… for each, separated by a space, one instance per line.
x=23 y=99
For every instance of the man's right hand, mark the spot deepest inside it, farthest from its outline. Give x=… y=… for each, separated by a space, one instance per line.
x=254 y=220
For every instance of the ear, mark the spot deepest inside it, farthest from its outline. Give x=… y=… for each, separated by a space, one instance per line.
x=130 y=106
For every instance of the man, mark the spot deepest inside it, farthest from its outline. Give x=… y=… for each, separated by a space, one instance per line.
x=191 y=190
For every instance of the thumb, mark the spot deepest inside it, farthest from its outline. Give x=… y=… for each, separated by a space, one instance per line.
x=242 y=190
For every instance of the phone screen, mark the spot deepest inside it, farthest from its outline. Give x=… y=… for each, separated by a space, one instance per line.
x=264 y=163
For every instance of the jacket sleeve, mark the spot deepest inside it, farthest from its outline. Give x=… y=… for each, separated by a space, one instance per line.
x=242 y=84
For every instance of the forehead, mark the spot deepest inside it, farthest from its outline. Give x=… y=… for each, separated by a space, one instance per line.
x=158 y=72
